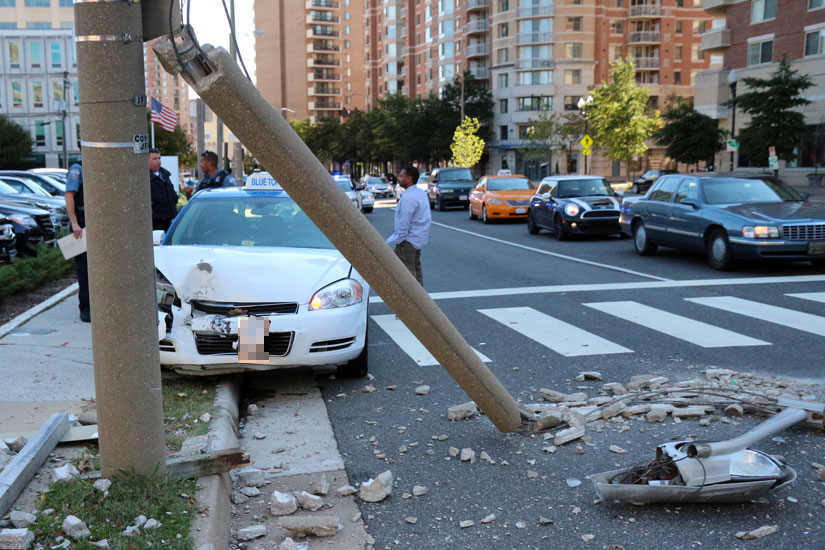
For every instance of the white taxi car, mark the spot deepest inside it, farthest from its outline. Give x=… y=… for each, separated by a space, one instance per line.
x=361 y=198
x=246 y=281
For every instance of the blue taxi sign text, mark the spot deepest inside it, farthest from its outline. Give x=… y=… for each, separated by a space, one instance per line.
x=263 y=181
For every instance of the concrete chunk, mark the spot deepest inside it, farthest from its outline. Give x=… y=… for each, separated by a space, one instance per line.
x=103 y=485
x=639 y=381
x=693 y=411
x=308 y=501
x=21 y=520
x=547 y=421
x=612 y=410
x=319 y=526
x=16 y=444
x=346 y=490
x=615 y=388
x=570 y=434
x=321 y=486
x=75 y=528
x=251 y=532
x=251 y=477
x=589 y=375
x=463 y=411
x=468 y=455
x=282 y=504
x=377 y=489
x=64 y=473
x=16 y=539
x=734 y=410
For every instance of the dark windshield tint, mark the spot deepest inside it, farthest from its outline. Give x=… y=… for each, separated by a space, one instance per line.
x=736 y=191
x=508 y=184
x=595 y=187
x=345 y=185
x=455 y=175
x=247 y=221
x=377 y=181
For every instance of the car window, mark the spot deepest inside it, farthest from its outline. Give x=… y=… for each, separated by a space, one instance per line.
x=45 y=182
x=688 y=189
x=16 y=186
x=376 y=181
x=508 y=184
x=455 y=175
x=543 y=188
x=663 y=192
x=345 y=185
x=246 y=221
x=649 y=174
x=584 y=188
x=735 y=191
x=481 y=183
x=7 y=189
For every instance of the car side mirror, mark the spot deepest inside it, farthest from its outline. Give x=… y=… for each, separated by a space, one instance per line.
x=618 y=193
x=157 y=237
x=690 y=202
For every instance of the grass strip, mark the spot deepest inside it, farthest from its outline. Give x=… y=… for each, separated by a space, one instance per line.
x=185 y=400
x=30 y=272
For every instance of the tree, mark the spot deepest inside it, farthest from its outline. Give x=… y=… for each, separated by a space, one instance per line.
x=175 y=143
x=689 y=136
x=770 y=103
x=15 y=144
x=467 y=146
x=477 y=100
x=619 y=115
x=548 y=134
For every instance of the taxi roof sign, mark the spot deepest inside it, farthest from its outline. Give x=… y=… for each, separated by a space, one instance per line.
x=262 y=181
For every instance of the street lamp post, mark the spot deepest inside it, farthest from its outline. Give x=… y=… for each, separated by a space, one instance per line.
x=732 y=78
x=582 y=104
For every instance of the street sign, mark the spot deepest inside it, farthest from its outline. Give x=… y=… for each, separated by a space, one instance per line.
x=773 y=162
x=771 y=151
x=586 y=151
x=586 y=141
x=140 y=143
x=731 y=145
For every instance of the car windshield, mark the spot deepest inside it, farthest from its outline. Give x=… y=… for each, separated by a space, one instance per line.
x=33 y=187
x=595 y=187
x=455 y=175
x=508 y=184
x=247 y=221
x=49 y=179
x=377 y=181
x=345 y=185
x=736 y=191
x=7 y=189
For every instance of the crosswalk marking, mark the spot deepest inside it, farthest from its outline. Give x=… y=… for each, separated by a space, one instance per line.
x=557 y=335
x=695 y=332
x=814 y=296
x=406 y=340
x=764 y=312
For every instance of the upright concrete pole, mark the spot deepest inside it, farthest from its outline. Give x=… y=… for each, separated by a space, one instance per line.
x=201 y=114
x=118 y=220
x=237 y=161
x=273 y=142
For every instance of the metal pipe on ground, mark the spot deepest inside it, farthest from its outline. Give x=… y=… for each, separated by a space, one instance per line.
x=268 y=136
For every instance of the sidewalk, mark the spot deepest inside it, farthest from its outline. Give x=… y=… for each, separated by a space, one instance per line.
x=816 y=193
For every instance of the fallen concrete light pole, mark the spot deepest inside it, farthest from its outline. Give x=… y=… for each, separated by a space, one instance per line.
x=219 y=82
x=709 y=472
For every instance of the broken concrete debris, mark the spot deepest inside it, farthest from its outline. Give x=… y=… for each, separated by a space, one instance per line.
x=419 y=490
x=462 y=412
x=103 y=485
x=763 y=531
x=15 y=444
x=319 y=526
x=346 y=490
x=16 y=539
x=422 y=390
x=468 y=455
x=308 y=501
x=568 y=435
x=251 y=477
x=375 y=490
x=321 y=486
x=251 y=532
x=21 y=520
x=466 y=523
x=488 y=519
x=282 y=504
x=75 y=528
x=64 y=473
x=588 y=375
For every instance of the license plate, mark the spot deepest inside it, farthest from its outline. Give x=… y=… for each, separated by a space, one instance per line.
x=816 y=249
x=521 y=210
x=462 y=197
x=252 y=332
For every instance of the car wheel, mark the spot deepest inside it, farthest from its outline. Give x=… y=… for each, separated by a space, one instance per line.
x=440 y=205
x=367 y=210
x=466 y=206
x=472 y=214
x=559 y=229
x=532 y=228
x=484 y=218
x=635 y=188
x=818 y=262
x=719 y=252
x=432 y=206
x=358 y=367
x=644 y=246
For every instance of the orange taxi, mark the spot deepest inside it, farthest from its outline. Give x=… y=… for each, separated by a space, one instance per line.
x=499 y=197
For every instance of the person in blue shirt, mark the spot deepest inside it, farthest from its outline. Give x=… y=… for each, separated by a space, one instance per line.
x=77 y=215
x=412 y=222
x=212 y=177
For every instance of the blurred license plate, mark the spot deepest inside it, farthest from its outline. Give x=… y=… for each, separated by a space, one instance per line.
x=521 y=210
x=815 y=249
x=252 y=333
x=462 y=197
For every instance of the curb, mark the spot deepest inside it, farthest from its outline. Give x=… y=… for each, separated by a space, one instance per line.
x=38 y=309
x=211 y=528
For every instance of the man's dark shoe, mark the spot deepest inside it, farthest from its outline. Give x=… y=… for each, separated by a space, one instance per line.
x=85 y=316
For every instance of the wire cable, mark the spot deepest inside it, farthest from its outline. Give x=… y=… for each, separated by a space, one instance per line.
x=234 y=40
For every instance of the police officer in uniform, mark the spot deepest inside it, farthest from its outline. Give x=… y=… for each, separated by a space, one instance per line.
x=164 y=198
x=213 y=177
x=77 y=215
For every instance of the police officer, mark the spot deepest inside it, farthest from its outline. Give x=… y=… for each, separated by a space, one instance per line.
x=212 y=176
x=164 y=198
x=76 y=211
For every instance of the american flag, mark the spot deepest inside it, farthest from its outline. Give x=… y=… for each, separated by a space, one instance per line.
x=164 y=116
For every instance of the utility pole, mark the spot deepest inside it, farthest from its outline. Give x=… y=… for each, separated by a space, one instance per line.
x=201 y=114
x=119 y=236
x=65 y=109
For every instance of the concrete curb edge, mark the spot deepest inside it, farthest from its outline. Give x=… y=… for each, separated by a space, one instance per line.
x=48 y=303
x=211 y=528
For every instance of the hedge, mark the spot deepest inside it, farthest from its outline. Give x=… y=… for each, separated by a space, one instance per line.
x=29 y=272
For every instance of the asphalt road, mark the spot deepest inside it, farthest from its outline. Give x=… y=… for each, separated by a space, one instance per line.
x=542 y=311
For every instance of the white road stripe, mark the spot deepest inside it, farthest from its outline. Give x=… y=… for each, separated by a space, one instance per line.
x=695 y=332
x=406 y=340
x=555 y=289
x=554 y=254
x=814 y=296
x=764 y=312
x=557 y=335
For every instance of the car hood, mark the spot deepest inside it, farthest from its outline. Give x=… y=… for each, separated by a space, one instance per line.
x=16 y=207
x=778 y=212
x=249 y=275
x=36 y=200
x=594 y=203
x=457 y=184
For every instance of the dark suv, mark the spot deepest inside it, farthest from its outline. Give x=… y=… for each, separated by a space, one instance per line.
x=646 y=180
x=450 y=187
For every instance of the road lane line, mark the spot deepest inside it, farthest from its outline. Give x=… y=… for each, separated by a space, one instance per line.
x=772 y=314
x=689 y=330
x=406 y=340
x=814 y=296
x=561 y=337
x=555 y=254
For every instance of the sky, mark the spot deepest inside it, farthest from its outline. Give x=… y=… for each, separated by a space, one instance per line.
x=208 y=19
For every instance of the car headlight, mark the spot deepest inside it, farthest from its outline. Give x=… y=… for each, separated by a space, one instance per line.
x=571 y=210
x=343 y=293
x=165 y=291
x=760 y=232
x=24 y=219
x=495 y=201
x=370 y=196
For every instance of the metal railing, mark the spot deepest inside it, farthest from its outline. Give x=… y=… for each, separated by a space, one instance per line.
x=318 y=62
x=324 y=90
x=477 y=25
x=322 y=74
x=477 y=4
x=476 y=49
x=645 y=10
x=534 y=37
x=644 y=36
x=646 y=62
x=535 y=63
x=535 y=11
x=480 y=72
x=322 y=4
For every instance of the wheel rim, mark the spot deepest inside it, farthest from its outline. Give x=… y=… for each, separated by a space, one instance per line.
x=641 y=237
x=484 y=213
x=718 y=249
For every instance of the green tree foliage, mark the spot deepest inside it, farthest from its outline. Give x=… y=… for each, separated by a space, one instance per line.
x=15 y=144
x=467 y=147
x=619 y=115
x=548 y=134
x=771 y=102
x=175 y=143
x=689 y=136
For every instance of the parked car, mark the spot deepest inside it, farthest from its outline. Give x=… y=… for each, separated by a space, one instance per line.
x=239 y=255
x=31 y=226
x=46 y=182
x=450 y=187
x=728 y=218
x=499 y=197
x=363 y=200
x=378 y=186
x=643 y=182
x=567 y=205
x=8 y=241
x=14 y=189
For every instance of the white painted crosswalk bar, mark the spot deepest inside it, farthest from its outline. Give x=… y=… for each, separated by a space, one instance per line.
x=561 y=337
x=406 y=340
x=695 y=332
x=814 y=296
x=764 y=312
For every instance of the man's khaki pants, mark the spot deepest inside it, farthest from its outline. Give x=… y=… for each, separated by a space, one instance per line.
x=410 y=256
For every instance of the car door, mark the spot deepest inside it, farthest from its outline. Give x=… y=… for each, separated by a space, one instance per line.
x=658 y=207
x=542 y=204
x=686 y=223
x=477 y=196
x=431 y=185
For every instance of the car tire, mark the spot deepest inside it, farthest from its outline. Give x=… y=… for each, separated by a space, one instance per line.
x=532 y=228
x=484 y=217
x=432 y=206
x=441 y=206
x=559 y=230
x=644 y=246
x=635 y=188
x=720 y=255
x=367 y=210
x=466 y=206
x=358 y=367
x=818 y=262
x=472 y=214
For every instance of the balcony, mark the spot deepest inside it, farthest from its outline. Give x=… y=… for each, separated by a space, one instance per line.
x=644 y=11
x=477 y=25
x=642 y=37
x=324 y=105
x=317 y=18
x=482 y=73
x=717 y=7
x=477 y=5
x=324 y=90
x=647 y=63
x=321 y=4
x=534 y=37
x=324 y=62
x=535 y=11
x=314 y=32
x=715 y=40
x=475 y=50
x=323 y=74
x=322 y=46
x=534 y=63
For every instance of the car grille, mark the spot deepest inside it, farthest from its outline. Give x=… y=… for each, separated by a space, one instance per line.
x=804 y=232
x=45 y=223
x=166 y=345
x=331 y=345
x=601 y=214
x=277 y=344
x=518 y=202
x=220 y=308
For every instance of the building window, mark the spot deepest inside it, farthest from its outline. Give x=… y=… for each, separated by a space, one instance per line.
x=679 y=26
x=35 y=55
x=503 y=55
x=38 y=25
x=14 y=55
x=574 y=50
x=572 y=76
x=503 y=30
x=66 y=3
x=619 y=3
x=760 y=52
x=615 y=52
x=503 y=105
x=677 y=77
x=39 y=133
x=524 y=131
x=38 y=3
x=535 y=78
x=58 y=133
x=762 y=10
x=699 y=27
x=503 y=5
x=502 y=133
x=8 y=4
x=815 y=42
x=37 y=94
x=56 y=56
x=680 y=3
x=696 y=53
x=503 y=80
x=573 y=24
x=17 y=95
x=677 y=52
x=57 y=90
x=571 y=102
x=814 y=4
x=535 y=103
x=616 y=27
